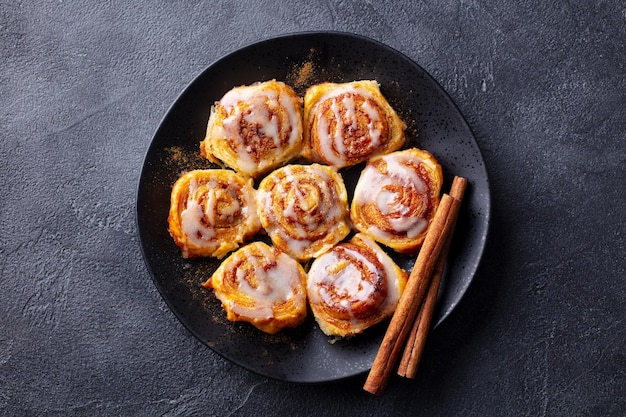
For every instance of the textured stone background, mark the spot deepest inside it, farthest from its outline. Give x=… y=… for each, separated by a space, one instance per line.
x=83 y=86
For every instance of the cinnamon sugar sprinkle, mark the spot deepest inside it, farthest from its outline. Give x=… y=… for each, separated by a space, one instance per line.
x=303 y=75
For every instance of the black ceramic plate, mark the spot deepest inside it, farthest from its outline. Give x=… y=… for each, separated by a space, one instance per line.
x=434 y=123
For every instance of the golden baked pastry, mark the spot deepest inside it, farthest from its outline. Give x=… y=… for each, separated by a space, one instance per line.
x=255 y=128
x=345 y=124
x=263 y=286
x=396 y=197
x=304 y=209
x=354 y=286
x=211 y=212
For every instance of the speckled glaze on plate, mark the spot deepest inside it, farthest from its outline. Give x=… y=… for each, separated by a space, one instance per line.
x=434 y=123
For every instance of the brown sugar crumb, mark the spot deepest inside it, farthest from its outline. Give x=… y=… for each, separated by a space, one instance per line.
x=179 y=159
x=177 y=155
x=303 y=75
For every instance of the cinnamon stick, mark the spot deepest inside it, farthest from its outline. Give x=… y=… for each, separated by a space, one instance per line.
x=419 y=332
x=417 y=285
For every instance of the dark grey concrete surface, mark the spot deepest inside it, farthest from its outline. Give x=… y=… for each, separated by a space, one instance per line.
x=83 y=86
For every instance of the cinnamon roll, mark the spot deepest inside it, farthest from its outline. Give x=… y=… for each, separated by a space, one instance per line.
x=345 y=124
x=304 y=209
x=255 y=128
x=353 y=286
x=263 y=286
x=396 y=197
x=211 y=212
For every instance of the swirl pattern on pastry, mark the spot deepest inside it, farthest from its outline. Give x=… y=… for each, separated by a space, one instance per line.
x=353 y=286
x=263 y=286
x=396 y=197
x=255 y=128
x=211 y=212
x=345 y=124
x=304 y=209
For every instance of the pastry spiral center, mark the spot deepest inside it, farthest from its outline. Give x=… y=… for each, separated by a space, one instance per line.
x=352 y=284
x=258 y=276
x=400 y=200
x=396 y=198
x=306 y=198
x=222 y=207
x=303 y=208
x=259 y=123
x=351 y=125
x=211 y=206
x=260 y=130
x=251 y=276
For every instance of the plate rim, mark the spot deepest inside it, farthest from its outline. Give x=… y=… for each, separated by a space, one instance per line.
x=480 y=249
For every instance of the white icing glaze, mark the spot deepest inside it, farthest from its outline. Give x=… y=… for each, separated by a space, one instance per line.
x=191 y=220
x=253 y=104
x=328 y=274
x=296 y=246
x=375 y=187
x=275 y=285
x=326 y=281
x=306 y=207
x=192 y=226
x=331 y=144
x=198 y=220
